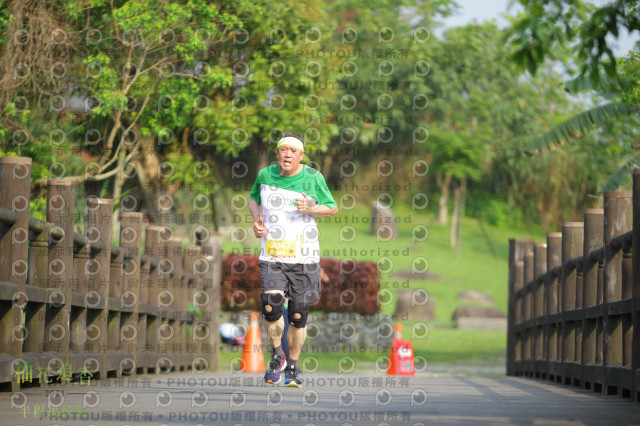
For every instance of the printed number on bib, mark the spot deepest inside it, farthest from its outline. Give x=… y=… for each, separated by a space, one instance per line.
x=276 y=248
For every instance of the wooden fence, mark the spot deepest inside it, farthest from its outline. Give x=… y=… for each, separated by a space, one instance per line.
x=73 y=305
x=574 y=301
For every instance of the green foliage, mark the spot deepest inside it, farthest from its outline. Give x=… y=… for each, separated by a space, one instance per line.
x=272 y=82
x=620 y=91
x=191 y=308
x=459 y=154
x=38 y=208
x=547 y=27
x=193 y=85
x=606 y=84
x=386 y=72
x=493 y=210
x=629 y=68
x=192 y=174
x=581 y=123
x=5 y=16
x=623 y=175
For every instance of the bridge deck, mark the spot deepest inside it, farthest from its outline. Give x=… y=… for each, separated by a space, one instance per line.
x=218 y=398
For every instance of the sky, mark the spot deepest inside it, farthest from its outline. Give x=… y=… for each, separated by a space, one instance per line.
x=482 y=10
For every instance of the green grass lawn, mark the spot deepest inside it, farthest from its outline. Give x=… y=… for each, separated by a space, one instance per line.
x=476 y=268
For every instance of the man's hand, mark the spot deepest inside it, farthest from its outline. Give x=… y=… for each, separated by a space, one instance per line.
x=258 y=225
x=306 y=204
x=259 y=229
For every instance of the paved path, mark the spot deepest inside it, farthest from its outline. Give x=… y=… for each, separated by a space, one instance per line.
x=218 y=398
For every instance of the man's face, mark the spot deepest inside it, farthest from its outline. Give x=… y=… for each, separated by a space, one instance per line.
x=289 y=159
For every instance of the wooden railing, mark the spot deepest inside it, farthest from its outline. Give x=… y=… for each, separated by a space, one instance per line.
x=74 y=304
x=574 y=301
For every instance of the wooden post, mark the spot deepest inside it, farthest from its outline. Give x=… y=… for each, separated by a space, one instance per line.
x=142 y=357
x=131 y=239
x=165 y=329
x=572 y=246
x=635 y=290
x=518 y=247
x=175 y=311
x=552 y=324
x=61 y=212
x=153 y=321
x=79 y=314
x=115 y=292
x=99 y=215
x=38 y=277
x=540 y=267
x=593 y=240
x=528 y=278
x=212 y=249
x=554 y=259
x=519 y=299
x=617 y=221
x=192 y=255
x=15 y=181
x=527 y=298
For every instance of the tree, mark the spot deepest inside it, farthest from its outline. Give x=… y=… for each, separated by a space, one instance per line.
x=551 y=25
x=548 y=25
x=282 y=81
x=382 y=104
x=470 y=77
x=134 y=68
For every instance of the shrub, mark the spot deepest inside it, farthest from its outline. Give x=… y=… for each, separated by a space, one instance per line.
x=354 y=288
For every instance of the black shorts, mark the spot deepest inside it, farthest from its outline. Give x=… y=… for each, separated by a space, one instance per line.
x=300 y=282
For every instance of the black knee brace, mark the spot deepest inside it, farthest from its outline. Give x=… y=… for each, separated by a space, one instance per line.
x=297 y=308
x=276 y=301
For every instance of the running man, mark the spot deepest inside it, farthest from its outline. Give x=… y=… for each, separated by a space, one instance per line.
x=284 y=201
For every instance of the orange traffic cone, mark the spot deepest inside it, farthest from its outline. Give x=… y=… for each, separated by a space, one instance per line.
x=252 y=356
x=401 y=360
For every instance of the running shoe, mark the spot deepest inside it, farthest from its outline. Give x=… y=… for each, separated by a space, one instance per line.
x=292 y=376
x=276 y=365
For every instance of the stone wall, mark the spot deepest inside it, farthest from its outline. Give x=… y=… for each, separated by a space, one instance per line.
x=334 y=332
x=343 y=331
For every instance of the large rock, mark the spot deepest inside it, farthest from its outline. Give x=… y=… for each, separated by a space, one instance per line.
x=473 y=296
x=480 y=318
x=415 y=304
x=478 y=312
x=409 y=274
x=492 y=324
x=383 y=224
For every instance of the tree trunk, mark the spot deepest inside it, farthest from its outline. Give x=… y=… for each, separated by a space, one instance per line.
x=148 y=163
x=262 y=154
x=185 y=139
x=226 y=213
x=326 y=164
x=148 y=196
x=463 y=195
x=214 y=214
x=117 y=192
x=453 y=237
x=444 y=183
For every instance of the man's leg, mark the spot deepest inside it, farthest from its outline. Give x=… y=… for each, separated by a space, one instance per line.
x=272 y=310
x=298 y=331
x=297 y=316
x=272 y=307
x=304 y=292
x=274 y=283
x=285 y=342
